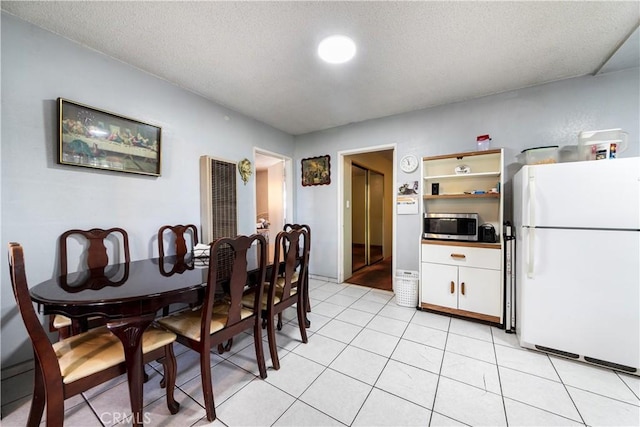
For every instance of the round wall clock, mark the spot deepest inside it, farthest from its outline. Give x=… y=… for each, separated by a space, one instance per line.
x=409 y=163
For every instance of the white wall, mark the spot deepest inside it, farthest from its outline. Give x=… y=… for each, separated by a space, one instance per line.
x=41 y=199
x=550 y=114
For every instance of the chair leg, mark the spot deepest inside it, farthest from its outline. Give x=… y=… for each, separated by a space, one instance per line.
x=38 y=400
x=306 y=292
x=280 y=321
x=55 y=404
x=169 y=380
x=301 y=323
x=273 y=350
x=207 y=387
x=257 y=340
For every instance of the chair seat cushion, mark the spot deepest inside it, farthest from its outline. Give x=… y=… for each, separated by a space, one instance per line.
x=247 y=299
x=98 y=349
x=294 y=279
x=60 y=321
x=187 y=323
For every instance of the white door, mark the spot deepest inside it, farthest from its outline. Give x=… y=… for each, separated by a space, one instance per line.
x=592 y=194
x=583 y=295
x=440 y=284
x=479 y=290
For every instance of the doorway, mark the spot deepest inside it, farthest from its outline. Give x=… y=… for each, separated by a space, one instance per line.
x=274 y=200
x=368 y=218
x=367 y=231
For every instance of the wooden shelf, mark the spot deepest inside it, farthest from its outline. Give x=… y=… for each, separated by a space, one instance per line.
x=461 y=156
x=468 y=244
x=463 y=175
x=462 y=196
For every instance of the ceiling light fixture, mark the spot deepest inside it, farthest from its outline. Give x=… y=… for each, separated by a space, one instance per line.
x=336 y=49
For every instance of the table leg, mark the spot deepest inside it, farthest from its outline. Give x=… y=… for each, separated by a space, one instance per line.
x=130 y=331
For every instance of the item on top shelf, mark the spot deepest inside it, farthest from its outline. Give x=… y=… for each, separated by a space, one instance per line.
x=484 y=142
x=601 y=144
x=462 y=170
x=539 y=155
x=568 y=153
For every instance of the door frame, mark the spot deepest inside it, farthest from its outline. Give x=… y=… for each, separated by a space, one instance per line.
x=288 y=179
x=341 y=203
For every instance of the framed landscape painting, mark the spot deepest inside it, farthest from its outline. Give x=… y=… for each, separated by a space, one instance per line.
x=316 y=171
x=97 y=139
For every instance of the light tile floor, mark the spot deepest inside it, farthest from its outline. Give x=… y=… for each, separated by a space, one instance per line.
x=369 y=362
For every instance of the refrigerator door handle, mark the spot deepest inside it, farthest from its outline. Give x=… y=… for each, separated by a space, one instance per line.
x=532 y=201
x=532 y=247
x=532 y=224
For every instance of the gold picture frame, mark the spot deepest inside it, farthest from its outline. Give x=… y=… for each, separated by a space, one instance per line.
x=92 y=138
x=316 y=171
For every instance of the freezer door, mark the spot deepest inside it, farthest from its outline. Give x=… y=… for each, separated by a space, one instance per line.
x=593 y=194
x=583 y=294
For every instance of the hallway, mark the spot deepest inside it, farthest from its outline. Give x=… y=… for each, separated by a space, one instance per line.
x=377 y=275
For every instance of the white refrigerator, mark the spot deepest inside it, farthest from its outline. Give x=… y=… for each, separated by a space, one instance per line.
x=577 y=228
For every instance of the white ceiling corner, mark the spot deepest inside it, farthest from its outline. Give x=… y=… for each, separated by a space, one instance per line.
x=259 y=58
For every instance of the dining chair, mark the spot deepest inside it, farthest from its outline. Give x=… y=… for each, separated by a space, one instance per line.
x=183 y=238
x=289 y=227
x=285 y=285
x=95 y=259
x=218 y=320
x=80 y=362
x=180 y=245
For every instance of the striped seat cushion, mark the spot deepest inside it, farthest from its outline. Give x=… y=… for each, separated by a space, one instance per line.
x=187 y=323
x=98 y=349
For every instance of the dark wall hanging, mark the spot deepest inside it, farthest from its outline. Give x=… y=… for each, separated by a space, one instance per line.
x=316 y=171
x=101 y=140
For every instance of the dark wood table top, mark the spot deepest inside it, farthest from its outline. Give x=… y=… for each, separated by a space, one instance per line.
x=123 y=290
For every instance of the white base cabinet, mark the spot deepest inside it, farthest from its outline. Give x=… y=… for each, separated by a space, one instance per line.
x=453 y=282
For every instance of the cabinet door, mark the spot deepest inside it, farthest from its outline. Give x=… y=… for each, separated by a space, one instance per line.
x=481 y=291
x=440 y=284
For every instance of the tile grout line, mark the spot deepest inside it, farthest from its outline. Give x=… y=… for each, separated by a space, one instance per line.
x=495 y=354
x=385 y=364
x=435 y=392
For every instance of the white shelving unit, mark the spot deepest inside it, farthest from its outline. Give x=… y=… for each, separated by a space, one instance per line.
x=464 y=278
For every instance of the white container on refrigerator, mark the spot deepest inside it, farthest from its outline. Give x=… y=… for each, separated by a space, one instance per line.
x=577 y=229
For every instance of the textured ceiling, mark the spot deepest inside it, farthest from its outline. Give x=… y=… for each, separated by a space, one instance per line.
x=259 y=58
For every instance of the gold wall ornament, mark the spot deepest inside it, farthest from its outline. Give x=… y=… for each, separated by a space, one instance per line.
x=244 y=167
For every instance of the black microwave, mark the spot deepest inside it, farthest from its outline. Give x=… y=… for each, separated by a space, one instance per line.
x=451 y=226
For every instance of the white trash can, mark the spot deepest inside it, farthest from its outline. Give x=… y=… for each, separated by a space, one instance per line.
x=406 y=288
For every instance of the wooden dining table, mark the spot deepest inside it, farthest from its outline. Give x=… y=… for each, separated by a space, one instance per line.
x=128 y=297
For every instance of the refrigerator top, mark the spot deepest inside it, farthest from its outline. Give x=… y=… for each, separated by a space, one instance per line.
x=602 y=194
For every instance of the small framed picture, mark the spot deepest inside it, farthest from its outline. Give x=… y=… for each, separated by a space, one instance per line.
x=97 y=139
x=316 y=171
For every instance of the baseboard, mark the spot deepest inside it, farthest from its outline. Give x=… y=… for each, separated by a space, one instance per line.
x=323 y=278
x=17 y=369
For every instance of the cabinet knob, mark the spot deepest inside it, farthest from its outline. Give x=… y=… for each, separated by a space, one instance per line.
x=453 y=287
x=462 y=288
x=458 y=256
